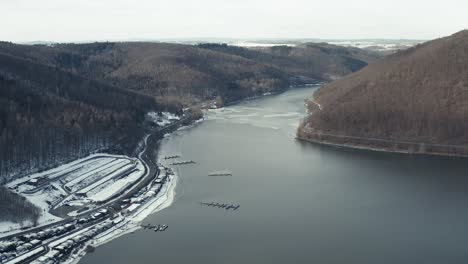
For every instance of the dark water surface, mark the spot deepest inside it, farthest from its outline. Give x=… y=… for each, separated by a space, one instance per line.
x=300 y=203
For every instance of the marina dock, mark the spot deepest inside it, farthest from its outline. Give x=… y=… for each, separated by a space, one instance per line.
x=155 y=228
x=184 y=162
x=172 y=157
x=225 y=206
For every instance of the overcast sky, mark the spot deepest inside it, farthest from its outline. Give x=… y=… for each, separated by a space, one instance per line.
x=84 y=20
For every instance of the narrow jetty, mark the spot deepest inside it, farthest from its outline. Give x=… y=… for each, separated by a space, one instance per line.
x=184 y=162
x=155 y=228
x=172 y=157
x=220 y=175
x=225 y=206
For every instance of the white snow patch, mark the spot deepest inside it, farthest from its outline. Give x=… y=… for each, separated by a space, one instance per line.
x=60 y=170
x=117 y=186
x=163 y=118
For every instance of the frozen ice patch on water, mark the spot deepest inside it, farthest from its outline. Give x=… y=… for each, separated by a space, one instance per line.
x=290 y=114
x=242 y=116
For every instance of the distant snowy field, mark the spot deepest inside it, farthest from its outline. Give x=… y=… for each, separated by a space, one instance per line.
x=383 y=45
x=372 y=44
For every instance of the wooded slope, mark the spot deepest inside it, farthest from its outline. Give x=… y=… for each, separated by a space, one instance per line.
x=420 y=95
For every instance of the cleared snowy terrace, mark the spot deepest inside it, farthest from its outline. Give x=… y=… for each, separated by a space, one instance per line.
x=116 y=186
x=80 y=183
x=162 y=118
x=68 y=169
x=102 y=176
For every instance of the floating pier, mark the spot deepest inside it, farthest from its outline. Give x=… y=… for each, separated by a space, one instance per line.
x=155 y=228
x=172 y=157
x=226 y=206
x=184 y=162
x=220 y=173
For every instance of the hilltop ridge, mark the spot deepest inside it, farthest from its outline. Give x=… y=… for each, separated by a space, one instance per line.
x=416 y=95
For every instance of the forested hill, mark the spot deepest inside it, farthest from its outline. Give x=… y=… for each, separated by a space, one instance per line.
x=188 y=73
x=64 y=101
x=417 y=95
x=320 y=61
x=49 y=116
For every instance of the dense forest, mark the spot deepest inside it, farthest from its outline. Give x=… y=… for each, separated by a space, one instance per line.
x=49 y=116
x=15 y=208
x=417 y=95
x=319 y=61
x=183 y=74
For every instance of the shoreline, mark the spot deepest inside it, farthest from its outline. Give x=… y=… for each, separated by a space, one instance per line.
x=126 y=221
x=376 y=149
x=418 y=148
x=133 y=223
x=164 y=200
x=169 y=194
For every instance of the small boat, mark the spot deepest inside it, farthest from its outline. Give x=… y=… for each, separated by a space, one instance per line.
x=157 y=228
x=163 y=227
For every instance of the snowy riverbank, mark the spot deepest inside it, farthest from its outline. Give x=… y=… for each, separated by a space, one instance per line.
x=131 y=223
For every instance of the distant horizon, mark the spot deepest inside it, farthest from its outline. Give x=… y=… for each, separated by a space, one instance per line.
x=91 y=20
x=220 y=40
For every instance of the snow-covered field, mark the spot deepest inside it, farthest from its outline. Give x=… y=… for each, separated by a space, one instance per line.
x=7 y=226
x=384 y=45
x=102 y=167
x=163 y=118
x=116 y=186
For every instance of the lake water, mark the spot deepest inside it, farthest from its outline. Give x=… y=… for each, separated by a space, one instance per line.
x=300 y=203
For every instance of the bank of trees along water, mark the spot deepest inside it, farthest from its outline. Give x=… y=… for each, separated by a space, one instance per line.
x=417 y=95
x=48 y=116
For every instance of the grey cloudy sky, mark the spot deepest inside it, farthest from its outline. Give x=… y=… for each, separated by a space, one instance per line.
x=78 y=20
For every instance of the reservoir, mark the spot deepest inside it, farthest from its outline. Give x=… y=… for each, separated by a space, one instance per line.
x=299 y=202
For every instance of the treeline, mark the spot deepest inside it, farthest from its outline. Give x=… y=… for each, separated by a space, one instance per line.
x=310 y=61
x=17 y=209
x=183 y=74
x=49 y=116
